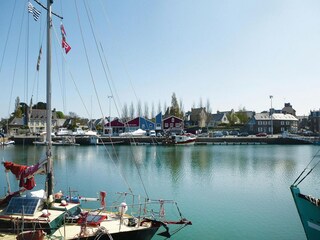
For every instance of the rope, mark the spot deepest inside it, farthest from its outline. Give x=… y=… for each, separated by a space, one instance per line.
x=301 y=174
x=87 y=57
x=16 y=60
x=9 y=29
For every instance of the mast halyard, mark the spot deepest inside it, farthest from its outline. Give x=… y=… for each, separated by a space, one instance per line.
x=49 y=182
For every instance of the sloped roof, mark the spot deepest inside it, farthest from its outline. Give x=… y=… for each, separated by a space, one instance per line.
x=275 y=116
x=217 y=117
x=17 y=122
x=285 y=117
x=172 y=117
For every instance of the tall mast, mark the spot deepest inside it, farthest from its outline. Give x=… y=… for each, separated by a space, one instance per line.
x=49 y=112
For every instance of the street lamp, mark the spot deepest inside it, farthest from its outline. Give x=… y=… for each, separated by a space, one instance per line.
x=109 y=97
x=271 y=116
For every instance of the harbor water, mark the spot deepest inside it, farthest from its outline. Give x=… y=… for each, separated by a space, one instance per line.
x=227 y=191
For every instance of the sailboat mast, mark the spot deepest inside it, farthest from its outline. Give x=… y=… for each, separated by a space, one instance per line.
x=49 y=112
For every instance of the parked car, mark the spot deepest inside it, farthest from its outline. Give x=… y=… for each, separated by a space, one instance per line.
x=225 y=133
x=152 y=133
x=217 y=134
x=262 y=134
x=234 y=133
x=243 y=134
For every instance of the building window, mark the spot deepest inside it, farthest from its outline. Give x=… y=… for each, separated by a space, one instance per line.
x=288 y=123
x=282 y=129
x=171 y=125
x=166 y=125
x=172 y=120
x=282 y=123
x=177 y=125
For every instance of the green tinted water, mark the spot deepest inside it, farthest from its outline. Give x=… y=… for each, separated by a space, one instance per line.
x=229 y=192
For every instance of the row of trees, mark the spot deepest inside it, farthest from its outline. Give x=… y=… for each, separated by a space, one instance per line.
x=130 y=112
x=176 y=109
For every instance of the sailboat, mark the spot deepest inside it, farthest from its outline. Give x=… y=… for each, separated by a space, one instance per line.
x=308 y=206
x=43 y=214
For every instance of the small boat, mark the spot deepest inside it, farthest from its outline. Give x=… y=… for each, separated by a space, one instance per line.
x=308 y=206
x=63 y=132
x=7 y=143
x=81 y=132
x=182 y=139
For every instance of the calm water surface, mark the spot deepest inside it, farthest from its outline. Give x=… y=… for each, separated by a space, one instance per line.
x=229 y=192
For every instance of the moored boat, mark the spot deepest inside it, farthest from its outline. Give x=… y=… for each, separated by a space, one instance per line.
x=308 y=207
x=183 y=139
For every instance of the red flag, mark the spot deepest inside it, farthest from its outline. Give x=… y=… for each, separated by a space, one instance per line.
x=66 y=46
x=63 y=32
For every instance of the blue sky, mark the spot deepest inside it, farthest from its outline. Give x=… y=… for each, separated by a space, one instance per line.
x=234 y=53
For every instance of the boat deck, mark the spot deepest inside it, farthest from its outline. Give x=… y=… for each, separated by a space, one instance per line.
x=112 y=224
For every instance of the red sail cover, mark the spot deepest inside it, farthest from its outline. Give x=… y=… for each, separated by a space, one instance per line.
x=24 y=173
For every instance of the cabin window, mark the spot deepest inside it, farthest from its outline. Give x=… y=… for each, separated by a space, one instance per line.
x=172 y=120
x=171 y=125
x=166 y=125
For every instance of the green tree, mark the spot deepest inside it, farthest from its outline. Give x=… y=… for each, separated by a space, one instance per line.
x=131 y=111
x=40 y=105
x=125 y=113
x=242 y=116
x=60 y=115
x=175 y=109
x=232 y=118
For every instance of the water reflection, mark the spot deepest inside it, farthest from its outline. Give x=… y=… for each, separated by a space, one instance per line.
x=235 y=185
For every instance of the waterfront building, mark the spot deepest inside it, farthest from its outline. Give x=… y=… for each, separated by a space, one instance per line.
x=34 y=122
x=288 y=109
x=173 y=124
x=139 y=123
x=198 y=117
x=314 y=119
x=218 y=119
x=159 y=122
x=274 y=123
x=114 y=128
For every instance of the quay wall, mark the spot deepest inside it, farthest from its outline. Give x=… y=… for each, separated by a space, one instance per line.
x=28 y=140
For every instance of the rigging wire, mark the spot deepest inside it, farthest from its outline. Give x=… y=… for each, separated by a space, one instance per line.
x=110 y=88
x=37 y=72
x=70 y=73
x=121 y=57
x=87 y=58
x=9 y=30
x=301 y=174
x=16 y=60
x=63 y=70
